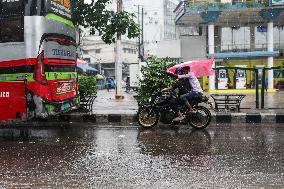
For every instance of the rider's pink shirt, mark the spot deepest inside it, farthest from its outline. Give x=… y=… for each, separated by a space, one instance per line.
x=193 y=81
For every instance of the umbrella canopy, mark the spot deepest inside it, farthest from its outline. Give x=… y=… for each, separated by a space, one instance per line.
x=99 y=77
x=81 y=61
x=199 y=67
x=86 y=67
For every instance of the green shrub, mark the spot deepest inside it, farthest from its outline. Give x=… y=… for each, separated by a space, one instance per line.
x=154 y=77
x=87 y=85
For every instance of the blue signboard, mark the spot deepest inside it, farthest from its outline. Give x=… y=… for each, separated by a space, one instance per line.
x=261 y=29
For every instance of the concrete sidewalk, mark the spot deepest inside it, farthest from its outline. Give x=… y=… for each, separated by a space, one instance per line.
x=105 y=103
x=107 y=109
x=110 y=111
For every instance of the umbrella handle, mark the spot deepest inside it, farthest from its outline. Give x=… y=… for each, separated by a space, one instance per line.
x=171 y=74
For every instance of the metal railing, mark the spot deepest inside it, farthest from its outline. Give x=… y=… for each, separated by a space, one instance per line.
x=259 y=81
x=247 y=47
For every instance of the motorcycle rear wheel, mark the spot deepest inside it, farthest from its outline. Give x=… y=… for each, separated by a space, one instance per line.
x=200 y=119
x=147 y=118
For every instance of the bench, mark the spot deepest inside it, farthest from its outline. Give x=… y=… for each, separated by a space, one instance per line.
x=227 y=102
x=128 y=88
x=280 y=85
x=87 y=102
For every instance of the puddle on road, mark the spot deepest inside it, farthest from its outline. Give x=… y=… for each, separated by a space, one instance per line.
x=133 y=158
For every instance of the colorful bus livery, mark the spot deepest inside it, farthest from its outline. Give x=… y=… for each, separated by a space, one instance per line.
x=4 y=94
x=38 y=74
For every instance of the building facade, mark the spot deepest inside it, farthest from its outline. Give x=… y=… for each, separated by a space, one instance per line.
x=158 y=20
x=102 y=56
x=239 y=33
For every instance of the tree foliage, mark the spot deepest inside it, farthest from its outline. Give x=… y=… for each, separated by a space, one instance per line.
x=154 y=77
x=107 y=23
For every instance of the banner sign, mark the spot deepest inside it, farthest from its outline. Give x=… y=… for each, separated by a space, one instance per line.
x=59 y=7
x=276 y=2
x=180 y=10
x=57 y=51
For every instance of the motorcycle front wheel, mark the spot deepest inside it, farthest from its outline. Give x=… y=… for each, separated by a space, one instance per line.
x=200 y=119
x=147 y=118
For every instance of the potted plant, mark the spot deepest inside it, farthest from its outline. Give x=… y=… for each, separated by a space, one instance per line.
x=154 y=77
x=87 y=85
x=87 y=90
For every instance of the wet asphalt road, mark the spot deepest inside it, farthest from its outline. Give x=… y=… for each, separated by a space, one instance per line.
x=88 y=157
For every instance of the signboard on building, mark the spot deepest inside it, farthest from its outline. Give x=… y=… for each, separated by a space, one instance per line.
x=59 y=7
x=261 y=29
x=276 y=2
x=180 y=10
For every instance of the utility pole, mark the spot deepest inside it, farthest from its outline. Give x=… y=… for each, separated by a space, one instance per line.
x=141 y=35
x=118 y=62
x=139 y=38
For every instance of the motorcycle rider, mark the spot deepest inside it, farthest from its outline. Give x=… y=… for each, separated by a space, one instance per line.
x=183 y=87
x=189 y=87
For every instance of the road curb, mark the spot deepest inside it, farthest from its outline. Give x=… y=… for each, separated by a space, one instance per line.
x=280 y=118
x=131 y=119
x=217 y=117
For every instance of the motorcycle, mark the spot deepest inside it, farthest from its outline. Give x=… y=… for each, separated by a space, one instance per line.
x=159 y=109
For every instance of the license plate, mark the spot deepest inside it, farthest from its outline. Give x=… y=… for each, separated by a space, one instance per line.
x=64 y=88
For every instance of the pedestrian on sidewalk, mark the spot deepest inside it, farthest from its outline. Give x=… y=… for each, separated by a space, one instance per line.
x=108 y=84
x=127 y=84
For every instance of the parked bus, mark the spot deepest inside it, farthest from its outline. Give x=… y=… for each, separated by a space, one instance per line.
x=37 y=59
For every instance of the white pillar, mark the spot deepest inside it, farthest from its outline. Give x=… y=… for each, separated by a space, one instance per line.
x=118 y=69
x=270 y=49
x=118 y=62
x=211 y=51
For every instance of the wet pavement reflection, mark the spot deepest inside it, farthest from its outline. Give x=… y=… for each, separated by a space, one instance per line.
x=87 y=157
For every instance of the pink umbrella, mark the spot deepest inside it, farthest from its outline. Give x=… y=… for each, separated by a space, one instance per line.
x=199 y=67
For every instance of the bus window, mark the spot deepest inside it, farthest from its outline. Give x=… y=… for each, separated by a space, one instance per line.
x=11 y=7
x=11 y=30
x=11 y=21
x=54 y=68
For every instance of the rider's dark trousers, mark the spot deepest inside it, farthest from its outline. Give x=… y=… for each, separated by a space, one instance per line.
x=190 y=96
x=174 y=105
